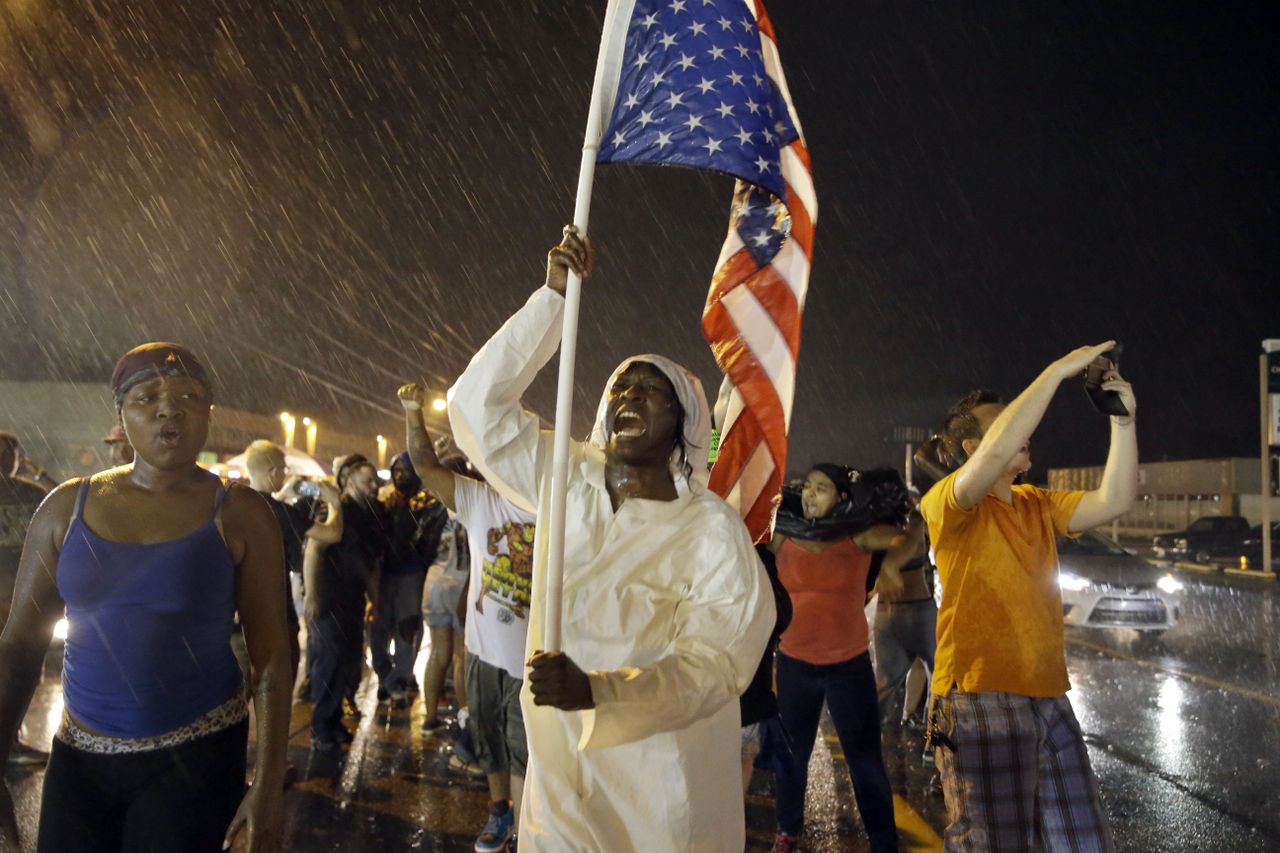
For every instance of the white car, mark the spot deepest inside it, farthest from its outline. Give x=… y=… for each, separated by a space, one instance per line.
x=1104 y=586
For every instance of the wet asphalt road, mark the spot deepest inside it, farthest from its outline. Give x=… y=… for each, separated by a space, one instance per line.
x=1184 y=735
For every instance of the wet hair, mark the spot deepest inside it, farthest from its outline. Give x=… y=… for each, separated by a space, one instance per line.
x=960 y=424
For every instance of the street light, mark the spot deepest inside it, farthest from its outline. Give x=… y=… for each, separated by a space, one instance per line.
x=313 y=429
x=382 y=452
x=290 y=424
x=439 y=404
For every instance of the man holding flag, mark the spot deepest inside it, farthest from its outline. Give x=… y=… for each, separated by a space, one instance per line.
x=632 y=715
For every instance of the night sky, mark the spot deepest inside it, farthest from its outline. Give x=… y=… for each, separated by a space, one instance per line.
x=328 y=199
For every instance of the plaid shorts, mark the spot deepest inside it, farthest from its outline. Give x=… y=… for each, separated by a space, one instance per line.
x=1016 y=775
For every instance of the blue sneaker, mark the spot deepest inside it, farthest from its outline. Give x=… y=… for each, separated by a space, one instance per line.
x=497 y=832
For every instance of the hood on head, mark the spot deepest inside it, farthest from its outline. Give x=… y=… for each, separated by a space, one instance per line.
x=697 y=417
x=403 y=462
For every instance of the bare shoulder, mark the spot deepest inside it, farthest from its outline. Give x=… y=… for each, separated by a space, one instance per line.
x=246 y=510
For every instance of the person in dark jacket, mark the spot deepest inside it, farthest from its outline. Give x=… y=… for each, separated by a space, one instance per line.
x=416 y=520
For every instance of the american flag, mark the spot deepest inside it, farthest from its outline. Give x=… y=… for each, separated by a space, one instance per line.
x=699 y=83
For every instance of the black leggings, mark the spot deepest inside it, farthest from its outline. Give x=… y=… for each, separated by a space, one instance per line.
x=849 y=689
x=162 y=800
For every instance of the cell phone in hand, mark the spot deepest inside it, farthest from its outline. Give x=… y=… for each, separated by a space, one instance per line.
x=1107 y=402
x=307 y=489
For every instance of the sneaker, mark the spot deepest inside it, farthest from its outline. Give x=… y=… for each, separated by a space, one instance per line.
x=498 y=831
x=784 y=843
x=26 y=756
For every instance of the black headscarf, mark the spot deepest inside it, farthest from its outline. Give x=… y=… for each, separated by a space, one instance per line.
x=867 y=498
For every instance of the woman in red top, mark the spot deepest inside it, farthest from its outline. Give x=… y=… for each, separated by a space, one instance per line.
x=823 y=655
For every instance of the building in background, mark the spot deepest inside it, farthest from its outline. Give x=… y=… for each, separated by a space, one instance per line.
x=1171 y=495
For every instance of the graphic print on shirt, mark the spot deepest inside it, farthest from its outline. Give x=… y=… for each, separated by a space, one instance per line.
x=508 y=570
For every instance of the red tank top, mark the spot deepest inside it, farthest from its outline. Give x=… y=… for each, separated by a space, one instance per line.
x=828 y=596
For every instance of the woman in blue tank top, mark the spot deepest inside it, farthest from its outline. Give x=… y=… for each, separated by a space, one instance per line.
x=152 y=562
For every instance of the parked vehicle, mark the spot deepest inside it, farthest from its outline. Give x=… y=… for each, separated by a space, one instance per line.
x=1251 y=548
x=1210 y=538
x=1105 y=586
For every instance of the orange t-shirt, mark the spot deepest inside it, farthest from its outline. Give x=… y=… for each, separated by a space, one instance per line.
x=1000 y=622
x=828 y=596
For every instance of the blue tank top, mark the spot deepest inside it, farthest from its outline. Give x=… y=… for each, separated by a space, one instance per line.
x=148 y=645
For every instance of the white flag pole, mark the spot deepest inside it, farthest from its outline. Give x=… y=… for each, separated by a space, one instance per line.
x=606 y=72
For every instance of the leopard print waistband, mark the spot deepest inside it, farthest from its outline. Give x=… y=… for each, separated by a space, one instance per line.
x=226 y=715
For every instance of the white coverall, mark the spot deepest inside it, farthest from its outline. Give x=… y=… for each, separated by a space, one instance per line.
x=666 y=607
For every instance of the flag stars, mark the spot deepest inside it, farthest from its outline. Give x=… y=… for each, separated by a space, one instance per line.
x=698 y=28
x=675 y=99
x=742 y=50
x=685 y=62
x=735 y=78
x=664 y=139
x=762 y=164
x=724 y=109
x=649 y=20
x=706 y=86
x=632 y=101
x=657 y=79
x=768 y=135
x=642 y=59
x=693 y=122
x=667 y=40
x=761 y=239
x=646 y=118
x=757 y=79
x=753 y=106
x=712 y=146
x=619 y=138
x=716 y=52
x=725 y=24
x=744 y=135
x=678 y=6
x=747 y=24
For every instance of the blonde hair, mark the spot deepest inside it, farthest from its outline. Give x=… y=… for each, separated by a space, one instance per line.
x=261 y=456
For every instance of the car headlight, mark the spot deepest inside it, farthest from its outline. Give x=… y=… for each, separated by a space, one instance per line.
x=1169 y=584
x=1180 y=544
x=1071 y=582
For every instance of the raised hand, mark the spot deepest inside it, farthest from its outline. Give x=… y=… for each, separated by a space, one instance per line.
x=1074 y=362
x=574 y=253
x=411 y=396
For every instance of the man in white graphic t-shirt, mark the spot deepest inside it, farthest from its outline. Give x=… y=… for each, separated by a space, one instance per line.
x=497 y=624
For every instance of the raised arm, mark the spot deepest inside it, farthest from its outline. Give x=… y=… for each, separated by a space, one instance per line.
x=1012 y=428
x=489 y=424
x=1115 y=494
x=329 y=531
x=422 y=453
x=36 y=607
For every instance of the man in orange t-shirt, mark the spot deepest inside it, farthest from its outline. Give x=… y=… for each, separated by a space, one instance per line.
x=1015 y=771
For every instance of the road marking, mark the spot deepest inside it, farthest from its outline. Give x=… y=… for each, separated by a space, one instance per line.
x=915 y=832
x=1189 y=676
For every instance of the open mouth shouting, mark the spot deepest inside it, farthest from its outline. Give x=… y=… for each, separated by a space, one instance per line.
x=628 y=424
